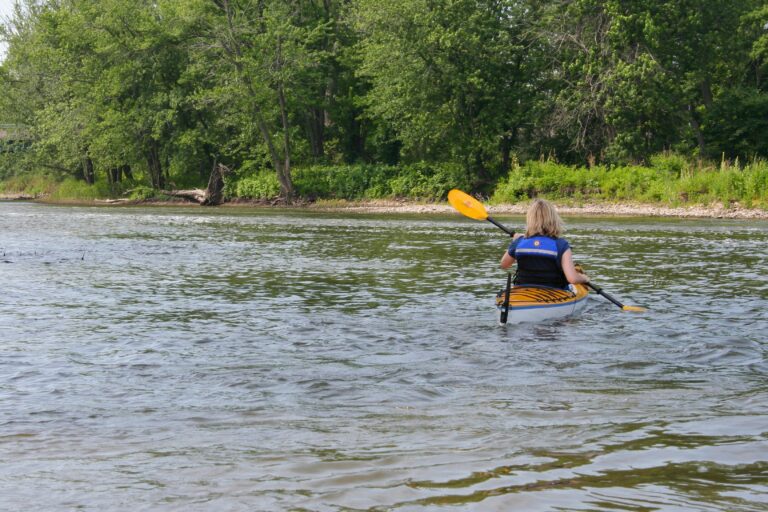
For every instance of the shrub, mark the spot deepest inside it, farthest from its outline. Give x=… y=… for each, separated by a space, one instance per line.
x=76 y=190
x=670 y=179
x=142 y=193
x=29 y=184
x=670 y=163
x=343 y=181
x=632 y=182
x=430 y=181
x=549 y=179
x=263 y=185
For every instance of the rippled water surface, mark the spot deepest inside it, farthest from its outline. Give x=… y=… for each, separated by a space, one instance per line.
x=191 y=359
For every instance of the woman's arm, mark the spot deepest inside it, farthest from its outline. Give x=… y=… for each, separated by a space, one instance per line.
x=573 y=277
x=506 y=261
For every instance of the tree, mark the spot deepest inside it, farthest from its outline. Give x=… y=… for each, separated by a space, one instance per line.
x=449 y=77
x=103 y=86
x=261 y=53
x=737 y=118
x=639 y=76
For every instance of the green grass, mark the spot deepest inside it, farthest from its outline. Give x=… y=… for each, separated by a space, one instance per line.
x=422 y=181
x=29 y=185
x=54 y=188
x=74 y=190
x=669 y=179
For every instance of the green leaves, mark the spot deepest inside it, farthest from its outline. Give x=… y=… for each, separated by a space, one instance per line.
x=447 y=76
x=641 y=76
x=168 y=87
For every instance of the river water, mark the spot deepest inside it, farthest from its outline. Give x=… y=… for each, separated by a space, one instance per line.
x=241 y=359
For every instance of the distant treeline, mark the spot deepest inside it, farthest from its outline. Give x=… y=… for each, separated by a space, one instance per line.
x=316 y=98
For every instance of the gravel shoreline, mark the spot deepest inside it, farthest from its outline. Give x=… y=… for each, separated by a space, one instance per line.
x=614 y=210
x=716 y=211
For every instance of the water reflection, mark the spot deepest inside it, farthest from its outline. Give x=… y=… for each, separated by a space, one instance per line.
x=238 y=360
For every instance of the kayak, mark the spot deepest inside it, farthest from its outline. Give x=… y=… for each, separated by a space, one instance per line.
x=532 y=303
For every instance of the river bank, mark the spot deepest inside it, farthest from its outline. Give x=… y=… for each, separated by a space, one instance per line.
x=715 y=211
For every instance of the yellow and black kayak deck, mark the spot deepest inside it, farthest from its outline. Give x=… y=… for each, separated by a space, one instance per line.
x=530 y=296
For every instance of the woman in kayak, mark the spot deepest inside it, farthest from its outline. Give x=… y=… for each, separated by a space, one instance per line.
x=542 y=257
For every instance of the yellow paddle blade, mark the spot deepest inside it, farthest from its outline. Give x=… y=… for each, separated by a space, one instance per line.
x=633 y=308
x=467 y=205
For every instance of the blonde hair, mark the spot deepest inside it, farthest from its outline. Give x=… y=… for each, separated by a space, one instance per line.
x=542 y=219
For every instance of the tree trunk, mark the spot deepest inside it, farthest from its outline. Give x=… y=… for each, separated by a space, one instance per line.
x=126 y=170
x=88 y=173
x=316 y=131
x=115 y=175
x=214 y=194
x=506 y=150
x=706 y=93
x=155 y=167
x=696 y=129
x=232 y=48
x=284 y=171
x=210 y=161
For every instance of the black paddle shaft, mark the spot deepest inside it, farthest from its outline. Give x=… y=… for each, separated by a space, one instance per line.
x=505 y=311
x=500 y=226
x=605 y=294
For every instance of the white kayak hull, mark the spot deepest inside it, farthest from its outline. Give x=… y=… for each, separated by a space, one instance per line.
x=540 y=303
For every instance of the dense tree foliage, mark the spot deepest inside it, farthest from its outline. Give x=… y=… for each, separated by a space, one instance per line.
x=158 y=92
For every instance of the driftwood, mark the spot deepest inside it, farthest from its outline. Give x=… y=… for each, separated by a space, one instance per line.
x=114 y=201
x=213 y=195
x=196 y=195
x=18 y=197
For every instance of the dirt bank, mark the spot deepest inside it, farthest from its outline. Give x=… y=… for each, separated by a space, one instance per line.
x=16 y=197
x=715 y=211
x=643 y=210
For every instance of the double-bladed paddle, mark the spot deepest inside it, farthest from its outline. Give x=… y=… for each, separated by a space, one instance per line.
x=474 y=209
x=612 y=299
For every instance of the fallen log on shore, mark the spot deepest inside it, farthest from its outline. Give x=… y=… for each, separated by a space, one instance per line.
x=213 y=195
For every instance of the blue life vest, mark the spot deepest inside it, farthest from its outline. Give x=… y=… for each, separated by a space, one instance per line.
x=538 y=262
x=542 y=246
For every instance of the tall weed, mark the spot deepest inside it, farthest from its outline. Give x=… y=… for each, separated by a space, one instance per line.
x=668 y=179
x=34 y=185
x=75 y=190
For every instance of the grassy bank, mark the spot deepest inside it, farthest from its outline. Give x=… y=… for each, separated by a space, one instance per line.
x=668 y=180
x=424 y=181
